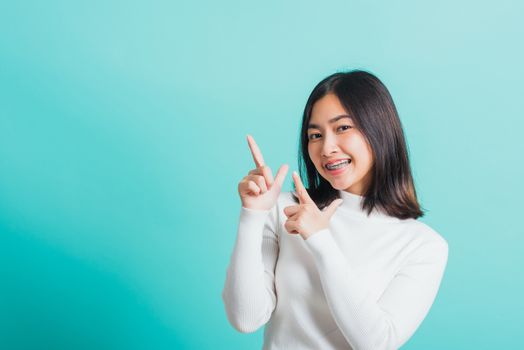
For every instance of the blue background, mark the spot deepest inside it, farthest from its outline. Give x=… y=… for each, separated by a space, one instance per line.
x=122 y=141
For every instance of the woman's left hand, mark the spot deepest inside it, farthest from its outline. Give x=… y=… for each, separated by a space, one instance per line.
x=305 y=218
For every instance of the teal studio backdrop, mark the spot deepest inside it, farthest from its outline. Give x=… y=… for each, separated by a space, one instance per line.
x=123 y=138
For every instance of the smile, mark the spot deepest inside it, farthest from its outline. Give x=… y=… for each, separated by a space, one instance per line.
x=337 y=168
x=338 y=165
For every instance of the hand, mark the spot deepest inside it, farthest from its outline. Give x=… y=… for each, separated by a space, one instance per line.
x=305 y=218
x=257 y=190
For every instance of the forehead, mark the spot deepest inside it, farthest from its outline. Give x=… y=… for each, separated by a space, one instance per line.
x=327 y=110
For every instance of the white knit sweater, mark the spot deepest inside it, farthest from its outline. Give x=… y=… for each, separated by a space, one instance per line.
x=365 y=283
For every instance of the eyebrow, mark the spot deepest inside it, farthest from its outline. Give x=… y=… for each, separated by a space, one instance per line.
x=331 y=121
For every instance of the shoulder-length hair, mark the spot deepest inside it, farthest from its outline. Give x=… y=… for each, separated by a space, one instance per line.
x=371 y=107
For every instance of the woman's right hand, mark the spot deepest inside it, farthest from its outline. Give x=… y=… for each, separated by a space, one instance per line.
x=257 y=190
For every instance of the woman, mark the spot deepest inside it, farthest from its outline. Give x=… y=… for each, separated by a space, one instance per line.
x=344 y=264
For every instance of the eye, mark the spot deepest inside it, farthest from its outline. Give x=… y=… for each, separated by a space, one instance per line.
x=345 y=126
x=311 y=137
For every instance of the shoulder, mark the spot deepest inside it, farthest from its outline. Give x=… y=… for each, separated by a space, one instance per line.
x=428 y=234
x=426 y=241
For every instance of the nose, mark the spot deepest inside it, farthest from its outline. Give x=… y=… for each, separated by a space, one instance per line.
x=329 y=146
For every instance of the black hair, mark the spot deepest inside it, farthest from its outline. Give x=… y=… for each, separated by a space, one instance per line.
x=370 y=105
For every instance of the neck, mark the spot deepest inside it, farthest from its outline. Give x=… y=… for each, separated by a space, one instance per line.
x=352 y=203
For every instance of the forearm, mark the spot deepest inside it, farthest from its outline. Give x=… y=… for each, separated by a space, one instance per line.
x=364 y=324
x=247 y=296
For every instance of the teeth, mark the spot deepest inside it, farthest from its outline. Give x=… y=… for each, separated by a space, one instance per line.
x=338 y=165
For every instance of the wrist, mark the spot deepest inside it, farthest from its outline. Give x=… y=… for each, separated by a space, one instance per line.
x=255 y=209
x=305 y=235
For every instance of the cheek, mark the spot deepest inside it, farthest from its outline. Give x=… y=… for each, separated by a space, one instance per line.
x=363 y=151
x=314 y=155
x=366 y=162
x=369 y=154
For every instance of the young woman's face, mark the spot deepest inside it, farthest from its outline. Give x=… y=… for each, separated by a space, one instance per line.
x=339 y=140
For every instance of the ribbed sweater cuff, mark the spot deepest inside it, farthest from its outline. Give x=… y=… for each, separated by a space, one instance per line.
x=252 y=217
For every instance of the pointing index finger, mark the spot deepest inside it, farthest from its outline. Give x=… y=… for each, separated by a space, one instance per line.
x=301 y=190
x=255 y=151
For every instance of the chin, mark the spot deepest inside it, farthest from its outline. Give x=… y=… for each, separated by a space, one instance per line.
x=341 y=188
x=340 y=185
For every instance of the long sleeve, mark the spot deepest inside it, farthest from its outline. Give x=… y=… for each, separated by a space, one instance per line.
x=388 y=323
x=249 y=292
